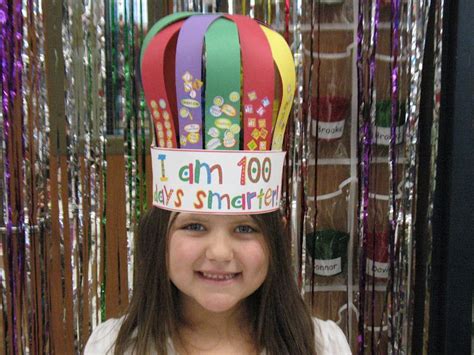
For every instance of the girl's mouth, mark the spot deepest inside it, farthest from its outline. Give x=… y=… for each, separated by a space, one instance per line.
x=219 y=277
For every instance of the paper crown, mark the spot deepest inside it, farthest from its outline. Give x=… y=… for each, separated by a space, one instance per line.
x=219 y=88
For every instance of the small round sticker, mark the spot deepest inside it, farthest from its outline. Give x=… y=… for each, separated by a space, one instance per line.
x=167 y=124
x=153 y=104
x=213 y=132
x=193 y=94
x=166 y=115
x=162 y=142
x=193 y=138
x=156 y=114
x=162 y=104
x=218 y=100
x=234 y=96
x=184 y=112
x=215 y=111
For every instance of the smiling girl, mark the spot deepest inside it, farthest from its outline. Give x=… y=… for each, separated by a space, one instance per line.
x=207 y=284
x=215 y=277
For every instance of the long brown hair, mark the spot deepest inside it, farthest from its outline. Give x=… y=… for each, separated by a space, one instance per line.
x=280 y=321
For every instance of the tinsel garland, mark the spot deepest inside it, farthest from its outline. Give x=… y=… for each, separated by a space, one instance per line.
x=62 y=274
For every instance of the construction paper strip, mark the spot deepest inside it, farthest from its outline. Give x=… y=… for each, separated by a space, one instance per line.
x=158 y=26
x=286 y=67
x=258 y=84
x=222 y=104
x=154 y=85
x=189 y=79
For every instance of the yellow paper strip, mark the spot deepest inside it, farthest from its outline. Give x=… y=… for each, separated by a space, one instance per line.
x=286 y=68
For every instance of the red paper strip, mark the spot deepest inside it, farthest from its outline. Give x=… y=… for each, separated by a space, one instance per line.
x=155 y=84
x=258 y=84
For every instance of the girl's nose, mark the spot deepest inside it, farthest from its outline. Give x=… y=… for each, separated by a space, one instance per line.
x=220 y=247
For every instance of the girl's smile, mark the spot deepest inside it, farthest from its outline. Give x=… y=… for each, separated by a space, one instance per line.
x=218 y=277
x=216 y=262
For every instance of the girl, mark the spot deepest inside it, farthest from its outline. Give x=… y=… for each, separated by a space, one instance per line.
x=213 y=284
x=214 y=275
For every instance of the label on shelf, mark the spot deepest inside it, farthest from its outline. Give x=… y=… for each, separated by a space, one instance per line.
x=377 y=269
x=328 y=267
x=329 y=130
x=382 y=135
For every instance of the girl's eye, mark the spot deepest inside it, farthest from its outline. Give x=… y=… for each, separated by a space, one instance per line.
x=245 y=229
x=195 y=227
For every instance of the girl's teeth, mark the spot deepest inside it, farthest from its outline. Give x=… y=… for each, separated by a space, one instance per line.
x=218 y=277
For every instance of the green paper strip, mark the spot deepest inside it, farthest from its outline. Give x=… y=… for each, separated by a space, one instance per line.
x=222 y=108
x=158 y=26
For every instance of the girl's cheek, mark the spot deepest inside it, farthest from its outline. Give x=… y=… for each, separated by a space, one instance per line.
x=255 y=252
x=183 y=247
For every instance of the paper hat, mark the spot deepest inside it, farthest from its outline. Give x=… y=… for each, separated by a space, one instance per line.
x=210 y=82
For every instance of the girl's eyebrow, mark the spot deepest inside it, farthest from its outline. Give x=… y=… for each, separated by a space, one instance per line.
x=244 y=220
x=190 y=217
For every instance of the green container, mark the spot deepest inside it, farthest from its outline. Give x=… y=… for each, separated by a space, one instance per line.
x=384 y=114
x=382 y=132
x=328 y=249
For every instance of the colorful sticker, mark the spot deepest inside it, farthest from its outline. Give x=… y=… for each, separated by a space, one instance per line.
x=213 y=132
x=223 y=123
x=218 y=100
x=234 y=96
x=252 y=95
x=192 y=128
x=184 y=112
x=215 y=111
x=229 y=110
x=235 y=128
x=190 y=103
x=213 y=143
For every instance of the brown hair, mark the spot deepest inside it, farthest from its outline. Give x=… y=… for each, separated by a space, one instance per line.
x=280 y=321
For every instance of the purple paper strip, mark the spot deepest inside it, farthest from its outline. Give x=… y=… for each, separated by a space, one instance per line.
x=189 y=79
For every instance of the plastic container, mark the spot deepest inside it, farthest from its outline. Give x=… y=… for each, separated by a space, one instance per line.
x=328 y=248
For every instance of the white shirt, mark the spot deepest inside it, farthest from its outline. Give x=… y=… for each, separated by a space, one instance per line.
x=330 y=340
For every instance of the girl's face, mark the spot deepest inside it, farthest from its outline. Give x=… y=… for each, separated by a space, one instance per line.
x=216 y=261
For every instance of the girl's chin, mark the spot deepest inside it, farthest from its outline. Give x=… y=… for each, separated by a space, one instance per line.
x=219 y=306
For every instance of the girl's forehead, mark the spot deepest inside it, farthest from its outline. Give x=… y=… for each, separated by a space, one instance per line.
x=206 y=217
